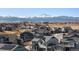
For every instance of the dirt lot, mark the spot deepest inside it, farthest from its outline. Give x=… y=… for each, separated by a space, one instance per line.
x=73 y=26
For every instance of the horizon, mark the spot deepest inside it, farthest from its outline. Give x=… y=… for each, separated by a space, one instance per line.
x=36 y=16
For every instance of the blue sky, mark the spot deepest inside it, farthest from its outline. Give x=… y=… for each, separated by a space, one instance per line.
x=39 y=11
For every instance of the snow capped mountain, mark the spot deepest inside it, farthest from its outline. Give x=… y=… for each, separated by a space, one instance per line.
x=42 y=17
x=45 y=15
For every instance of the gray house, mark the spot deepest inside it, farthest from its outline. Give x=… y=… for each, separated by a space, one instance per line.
x=46 y=43
x=68 y=43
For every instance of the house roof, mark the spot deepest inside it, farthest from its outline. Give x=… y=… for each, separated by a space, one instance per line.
x=36 y=39
x=12 y=47
x=47 y=38
x=51 y=40
x=7 y=46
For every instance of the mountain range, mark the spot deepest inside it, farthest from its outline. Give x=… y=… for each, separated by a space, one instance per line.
x=39 y=19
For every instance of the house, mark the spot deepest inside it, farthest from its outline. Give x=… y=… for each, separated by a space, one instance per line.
x=12 y=47
x=2 y=28
x=10 y=36
x=51 y=42
x=58 y=36
x=68 y=43
x=35 y=44
x=45 y=43
x=10 y=28
x=46 y=31
x=38 y=44
x=26 y=40
x=4 y=39
x=26 y=36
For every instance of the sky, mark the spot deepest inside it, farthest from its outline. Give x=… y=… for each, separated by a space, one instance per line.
x=39 y=11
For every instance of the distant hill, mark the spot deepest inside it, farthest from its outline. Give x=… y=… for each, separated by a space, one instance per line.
x=39 y=19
